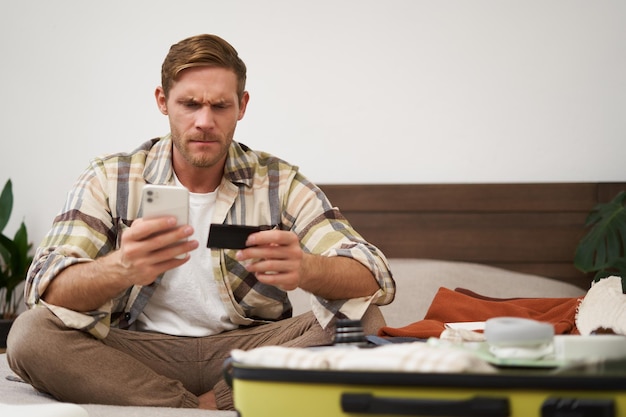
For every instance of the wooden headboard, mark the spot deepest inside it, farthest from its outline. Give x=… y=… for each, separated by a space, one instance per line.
x=531 y=228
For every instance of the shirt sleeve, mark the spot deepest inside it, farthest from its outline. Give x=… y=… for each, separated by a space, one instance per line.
x=323 y=230
x=85 y=229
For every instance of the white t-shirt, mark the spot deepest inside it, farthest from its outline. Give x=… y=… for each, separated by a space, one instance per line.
x=187 y=301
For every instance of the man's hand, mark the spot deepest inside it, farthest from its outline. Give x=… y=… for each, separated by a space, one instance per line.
x=151 y=247
x=148 y=248
x=276 y=258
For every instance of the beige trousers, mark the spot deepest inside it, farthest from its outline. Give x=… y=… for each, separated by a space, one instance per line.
x=145 y=369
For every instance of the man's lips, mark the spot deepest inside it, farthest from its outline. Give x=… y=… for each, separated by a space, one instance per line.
x=203 y=142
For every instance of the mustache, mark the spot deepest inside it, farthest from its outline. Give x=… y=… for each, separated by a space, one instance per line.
x=203 y=138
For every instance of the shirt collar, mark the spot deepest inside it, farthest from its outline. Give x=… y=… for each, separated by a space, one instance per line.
x=239 y=168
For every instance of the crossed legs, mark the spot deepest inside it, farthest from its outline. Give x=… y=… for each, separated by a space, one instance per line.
x=145 y=369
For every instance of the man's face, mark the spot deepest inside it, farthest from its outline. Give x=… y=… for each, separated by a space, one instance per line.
x=203 y=111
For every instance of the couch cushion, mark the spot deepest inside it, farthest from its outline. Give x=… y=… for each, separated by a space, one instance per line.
x=418 y=280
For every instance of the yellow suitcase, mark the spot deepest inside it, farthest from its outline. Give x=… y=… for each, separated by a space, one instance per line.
x=592 y=391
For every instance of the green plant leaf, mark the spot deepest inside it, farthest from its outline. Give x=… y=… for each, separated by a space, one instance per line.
x=21 y=242
x=603 y=248
x=5 y=254
x=14 y=256
x=7 y=275
x=9 y=251
x=6 y=204
x=12 y=253
x=620 y=265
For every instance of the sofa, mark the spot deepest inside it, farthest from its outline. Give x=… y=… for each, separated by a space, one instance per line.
x=417 y=283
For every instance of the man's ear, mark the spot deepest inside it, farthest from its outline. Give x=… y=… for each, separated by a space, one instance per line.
x=159 y=94
x=243 y=103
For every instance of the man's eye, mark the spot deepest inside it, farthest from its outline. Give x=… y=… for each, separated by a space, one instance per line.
x=191 y=104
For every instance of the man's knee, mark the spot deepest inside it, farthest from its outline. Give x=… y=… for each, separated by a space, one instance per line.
x=372 y=320
x=26 y=328
x=30 y=333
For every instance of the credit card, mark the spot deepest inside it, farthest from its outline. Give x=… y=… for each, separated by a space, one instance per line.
x=231 y=236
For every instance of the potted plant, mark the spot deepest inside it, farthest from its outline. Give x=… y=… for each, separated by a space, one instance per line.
x=14 y=263
x=603 y=250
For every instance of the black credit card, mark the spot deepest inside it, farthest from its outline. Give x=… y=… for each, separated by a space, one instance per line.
x=231 y=236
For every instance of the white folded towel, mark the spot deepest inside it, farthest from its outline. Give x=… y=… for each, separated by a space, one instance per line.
x=400 y=357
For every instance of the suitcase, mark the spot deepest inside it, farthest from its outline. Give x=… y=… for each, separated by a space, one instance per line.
x=593 y=390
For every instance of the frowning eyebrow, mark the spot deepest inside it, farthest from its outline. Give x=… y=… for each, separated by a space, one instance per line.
x=219 y=102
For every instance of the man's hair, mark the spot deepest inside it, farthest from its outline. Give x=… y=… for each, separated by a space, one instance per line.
x=202 y=51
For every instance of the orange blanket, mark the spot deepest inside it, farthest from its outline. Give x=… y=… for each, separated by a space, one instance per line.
x=462 y=305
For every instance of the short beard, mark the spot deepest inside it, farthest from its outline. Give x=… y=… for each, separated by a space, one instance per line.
x=201 y=161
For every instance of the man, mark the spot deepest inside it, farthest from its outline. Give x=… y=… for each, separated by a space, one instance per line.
x=122 y=318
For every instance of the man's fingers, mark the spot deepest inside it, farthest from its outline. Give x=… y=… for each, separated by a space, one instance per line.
x=285 y=281
x=144 y=228
x=271 y=237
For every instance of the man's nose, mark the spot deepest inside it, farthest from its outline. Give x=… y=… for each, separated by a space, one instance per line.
x=205 y=118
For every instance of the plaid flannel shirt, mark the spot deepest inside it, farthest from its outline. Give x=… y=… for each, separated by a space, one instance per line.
x=257 y=188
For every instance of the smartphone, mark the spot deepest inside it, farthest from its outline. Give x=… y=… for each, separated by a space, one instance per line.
x=231 y=236
x=166 y=200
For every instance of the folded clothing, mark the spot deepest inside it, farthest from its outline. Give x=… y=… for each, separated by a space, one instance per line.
x=604 y=308
x=462 y=305
x=403 y=357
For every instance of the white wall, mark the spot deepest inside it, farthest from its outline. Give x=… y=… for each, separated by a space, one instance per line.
x=353 y=91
